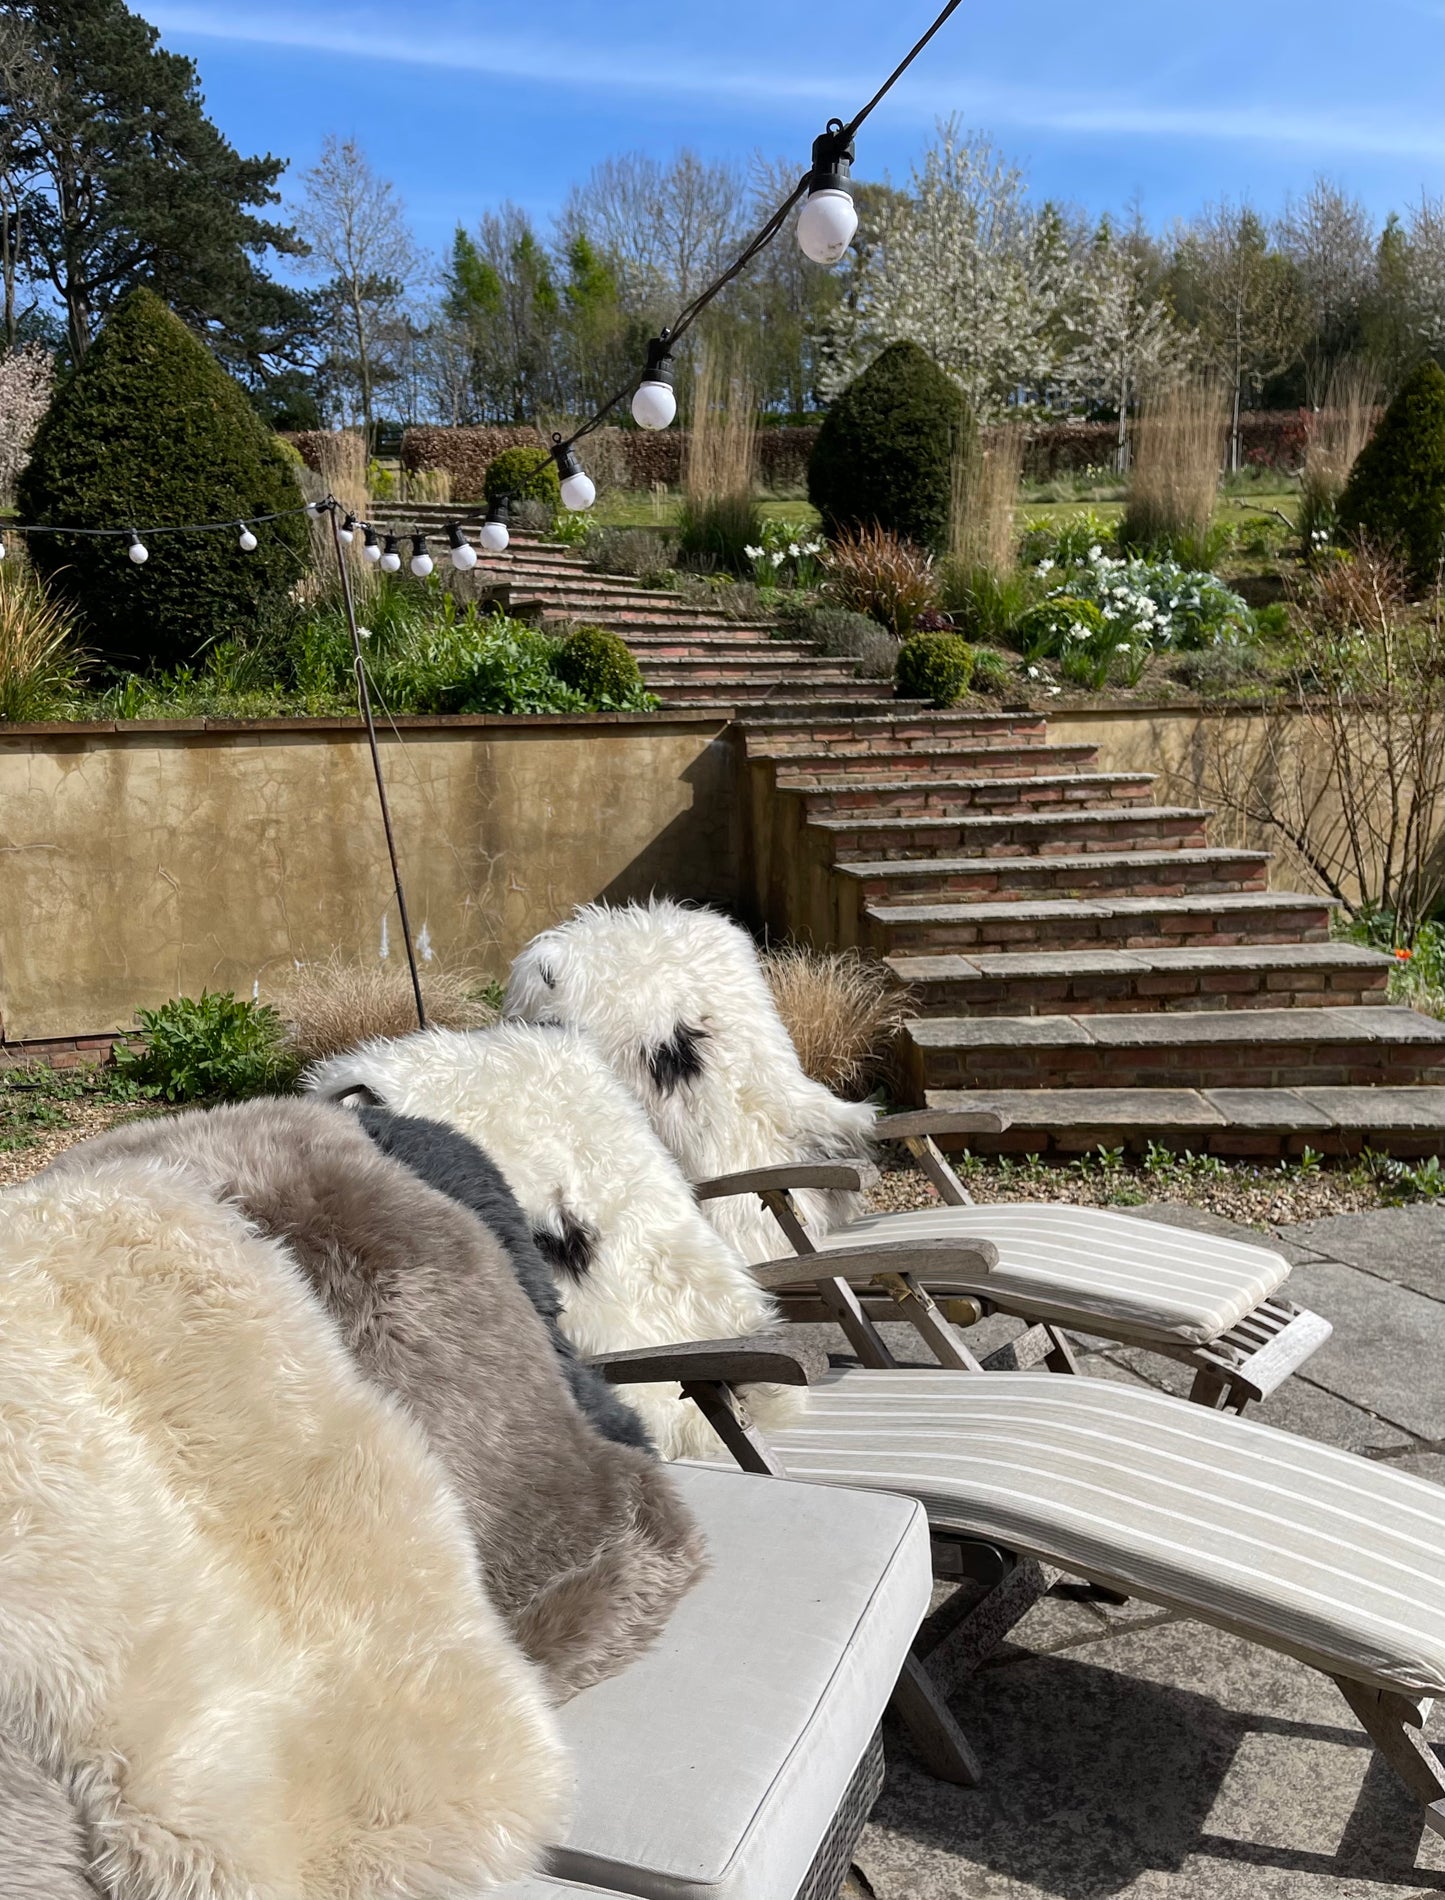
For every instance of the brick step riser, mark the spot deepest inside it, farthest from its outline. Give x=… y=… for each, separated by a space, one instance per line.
x=966 y=761
x=1105 y=933
x=895 y=734
x=743 y=666
x=1149 y=994
x=999 y=794
x=903 y=846
x=1227 y=1065
x=678 y=647
x=1040 y=881
x=737 y=692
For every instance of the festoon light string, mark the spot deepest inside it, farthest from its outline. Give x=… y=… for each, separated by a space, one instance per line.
x=826 y=227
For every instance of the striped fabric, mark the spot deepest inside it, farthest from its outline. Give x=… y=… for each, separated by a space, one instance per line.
x=1319 y=1553
x=1150 y=1282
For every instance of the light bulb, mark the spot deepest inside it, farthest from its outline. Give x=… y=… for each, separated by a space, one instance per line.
x=421 y=562
x=578 y=492
x=247 y=541
x=316 y=507
x=494 y=536
x=826 y=225
x=370 y=546
x=464 y=555
x=138 y=551
x=391 y=557
x=653 y=403
x=347 y=529
x=2 y=550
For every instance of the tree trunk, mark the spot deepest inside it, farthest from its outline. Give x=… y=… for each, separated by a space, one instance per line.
x=1121 y=453
x=363 y=364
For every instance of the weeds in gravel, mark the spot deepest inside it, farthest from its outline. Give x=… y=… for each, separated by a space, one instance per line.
x=36 y=1099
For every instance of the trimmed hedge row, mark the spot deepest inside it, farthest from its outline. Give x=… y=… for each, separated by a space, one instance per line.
x=463 y=453
x=644 y=456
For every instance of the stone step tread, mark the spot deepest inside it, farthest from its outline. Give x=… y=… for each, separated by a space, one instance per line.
x=1418 y=1109
x=1060 y=909
x=865 y=869
x=1358 y=1023
x=825 y=669
x=905 y=754
x=1057 y=815
x=819 y=708
x=849 y=782
x=934 y=717
x=960 y=967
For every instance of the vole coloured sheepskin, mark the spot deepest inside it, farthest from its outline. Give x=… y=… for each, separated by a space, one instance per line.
x=633 y=1259
x=449 y=1162
x=43 y=1851
x=676 y=999
x=242 y=1622
x=585 y=1546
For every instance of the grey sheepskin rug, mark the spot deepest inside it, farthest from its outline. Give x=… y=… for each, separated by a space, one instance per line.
x=584 y=1544
x=242 y=1625
x=43 y=1850
x=455 y=1166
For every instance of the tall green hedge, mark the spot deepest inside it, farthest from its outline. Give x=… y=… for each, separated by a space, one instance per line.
x=1395 y=496
x=151 y=430
x=884 y=454
x=523 y=474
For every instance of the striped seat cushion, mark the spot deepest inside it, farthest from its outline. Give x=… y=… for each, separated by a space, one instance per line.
x=1319 y=1553
x=1071 y=1264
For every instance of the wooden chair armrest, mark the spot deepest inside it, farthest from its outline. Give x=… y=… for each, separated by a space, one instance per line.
x=802 y=1174
x=911 y=1123
x=773 y=1358
x=933 y=1261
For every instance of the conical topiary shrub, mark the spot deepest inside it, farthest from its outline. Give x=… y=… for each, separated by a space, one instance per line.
x=1395 y=496
x=884 y=454
x=152 y=431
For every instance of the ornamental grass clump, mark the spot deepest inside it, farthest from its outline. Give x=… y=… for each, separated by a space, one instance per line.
x=842 y=1012
x=934 y=666
x=1337 y=437
x=1174 y=480
x=876 y=572
x=336 y=1002
x=39 y=651
x=720 y=522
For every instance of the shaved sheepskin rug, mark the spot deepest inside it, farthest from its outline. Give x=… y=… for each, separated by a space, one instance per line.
x=584 y=1545
x=43 y=1854
x=242 y=1622
x=677 y=1001
x=453 y=1165
x=633 y=1259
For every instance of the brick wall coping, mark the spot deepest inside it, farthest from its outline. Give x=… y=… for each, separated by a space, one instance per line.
x=340 y=722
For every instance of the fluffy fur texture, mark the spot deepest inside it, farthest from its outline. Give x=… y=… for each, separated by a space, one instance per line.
x=585 y=1547
x=453 y=1165
x=43 y=1853
x=677 y=1001
x=633 y=1260
x=242 y=1622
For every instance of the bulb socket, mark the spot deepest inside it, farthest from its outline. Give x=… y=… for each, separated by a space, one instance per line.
x=832 y=157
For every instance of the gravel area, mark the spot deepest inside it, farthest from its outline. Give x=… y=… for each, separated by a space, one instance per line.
x=1256 y=1196
x=25 y=1154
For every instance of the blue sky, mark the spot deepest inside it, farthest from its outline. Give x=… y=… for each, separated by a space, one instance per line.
x=464 y=104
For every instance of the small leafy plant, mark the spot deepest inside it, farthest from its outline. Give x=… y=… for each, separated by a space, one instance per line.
x=600 y=666
x=215 y=1047
x=936 y=667
x=879 y=574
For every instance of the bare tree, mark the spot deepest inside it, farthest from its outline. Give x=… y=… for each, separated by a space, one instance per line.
x=1329 y=239
x=668 y=228
x=1124 y=335
x=356 y=227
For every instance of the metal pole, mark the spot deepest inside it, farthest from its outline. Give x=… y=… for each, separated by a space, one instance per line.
x=364 y=700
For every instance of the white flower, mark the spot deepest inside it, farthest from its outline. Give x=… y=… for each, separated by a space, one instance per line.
x=812 y=547
x=753 y=554
x=1111 y=613
x=793 y=550
x=777 y=557
x=365 y=632
x=1044 y=567
x=1033 y=672
x=1096 y=553
x=1055 y=689
x=1123 y=647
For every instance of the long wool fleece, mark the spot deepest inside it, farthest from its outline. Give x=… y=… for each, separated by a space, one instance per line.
x=677 y=1001
x=242 y=1623
x=634 y=1261
x=43 y=1852
x=584 y=1544
x=453 y=1165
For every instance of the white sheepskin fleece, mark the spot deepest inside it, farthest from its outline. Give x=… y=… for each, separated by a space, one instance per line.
x=600 y=1190
x=241 y=1622
x=676 y=999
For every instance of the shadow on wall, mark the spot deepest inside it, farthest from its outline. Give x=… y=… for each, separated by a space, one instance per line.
x=698 y=854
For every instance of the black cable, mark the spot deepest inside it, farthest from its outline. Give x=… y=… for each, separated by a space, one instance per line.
x=192 y=527
x=846 y=135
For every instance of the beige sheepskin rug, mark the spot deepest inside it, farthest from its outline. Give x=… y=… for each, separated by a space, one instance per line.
x=584 y=1544
x=242 y=1622
x=634 y=1261
x=677 y=1000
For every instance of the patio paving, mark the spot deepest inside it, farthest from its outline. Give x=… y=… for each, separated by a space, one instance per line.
x=1131 y=1752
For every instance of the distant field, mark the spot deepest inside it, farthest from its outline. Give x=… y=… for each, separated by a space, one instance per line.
x=626 y=508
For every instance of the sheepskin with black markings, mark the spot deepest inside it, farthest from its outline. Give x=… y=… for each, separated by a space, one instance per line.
x=677 y=1001
x=584 y=1543
x=635 y=1262
x=242 y=1622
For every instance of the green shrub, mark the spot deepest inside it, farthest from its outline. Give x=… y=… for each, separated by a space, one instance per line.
x=1042 y=632
x=598 y=665
x=523 y=474
x=1068 y=541
x=214 y=1047
x=934 y=666
x=719 y=533
x=150 y=430
x=984 y=604
x=884 y=453
x=1218 y=672
x=993 y=672
x=640 y=551
x=841 y=634
x=1395 y=496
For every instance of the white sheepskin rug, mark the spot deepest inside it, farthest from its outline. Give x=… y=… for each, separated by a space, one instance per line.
x=676 y=999
x=635 y=1262
x=241 y=1622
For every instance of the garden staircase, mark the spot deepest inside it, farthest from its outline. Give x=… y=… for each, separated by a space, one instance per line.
x=1081 y=956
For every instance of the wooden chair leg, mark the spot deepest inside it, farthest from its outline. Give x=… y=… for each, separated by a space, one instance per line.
x=1394 y=1724
x=940 y=1742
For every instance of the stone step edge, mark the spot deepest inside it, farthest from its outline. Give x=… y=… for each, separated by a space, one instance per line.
x=962 y=966
x=845 y=783
x=1059 y=815
x=861 y=869
x=1330 y=1026
x=1417 y=1109
x=1060 y=909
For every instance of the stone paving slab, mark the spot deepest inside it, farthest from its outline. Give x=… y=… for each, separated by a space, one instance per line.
x=1404 y=1244
x=1414 y=1108
x=1167 y=1109
x=1388 y=1348
x=1270 y=1110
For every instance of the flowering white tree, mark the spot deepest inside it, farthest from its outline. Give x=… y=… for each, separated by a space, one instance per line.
x=965 y=267
x=26 y=376
x=1123 y=334
x=1427 y=271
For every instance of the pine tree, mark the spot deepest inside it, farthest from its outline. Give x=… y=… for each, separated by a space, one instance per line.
x=1395 y=496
